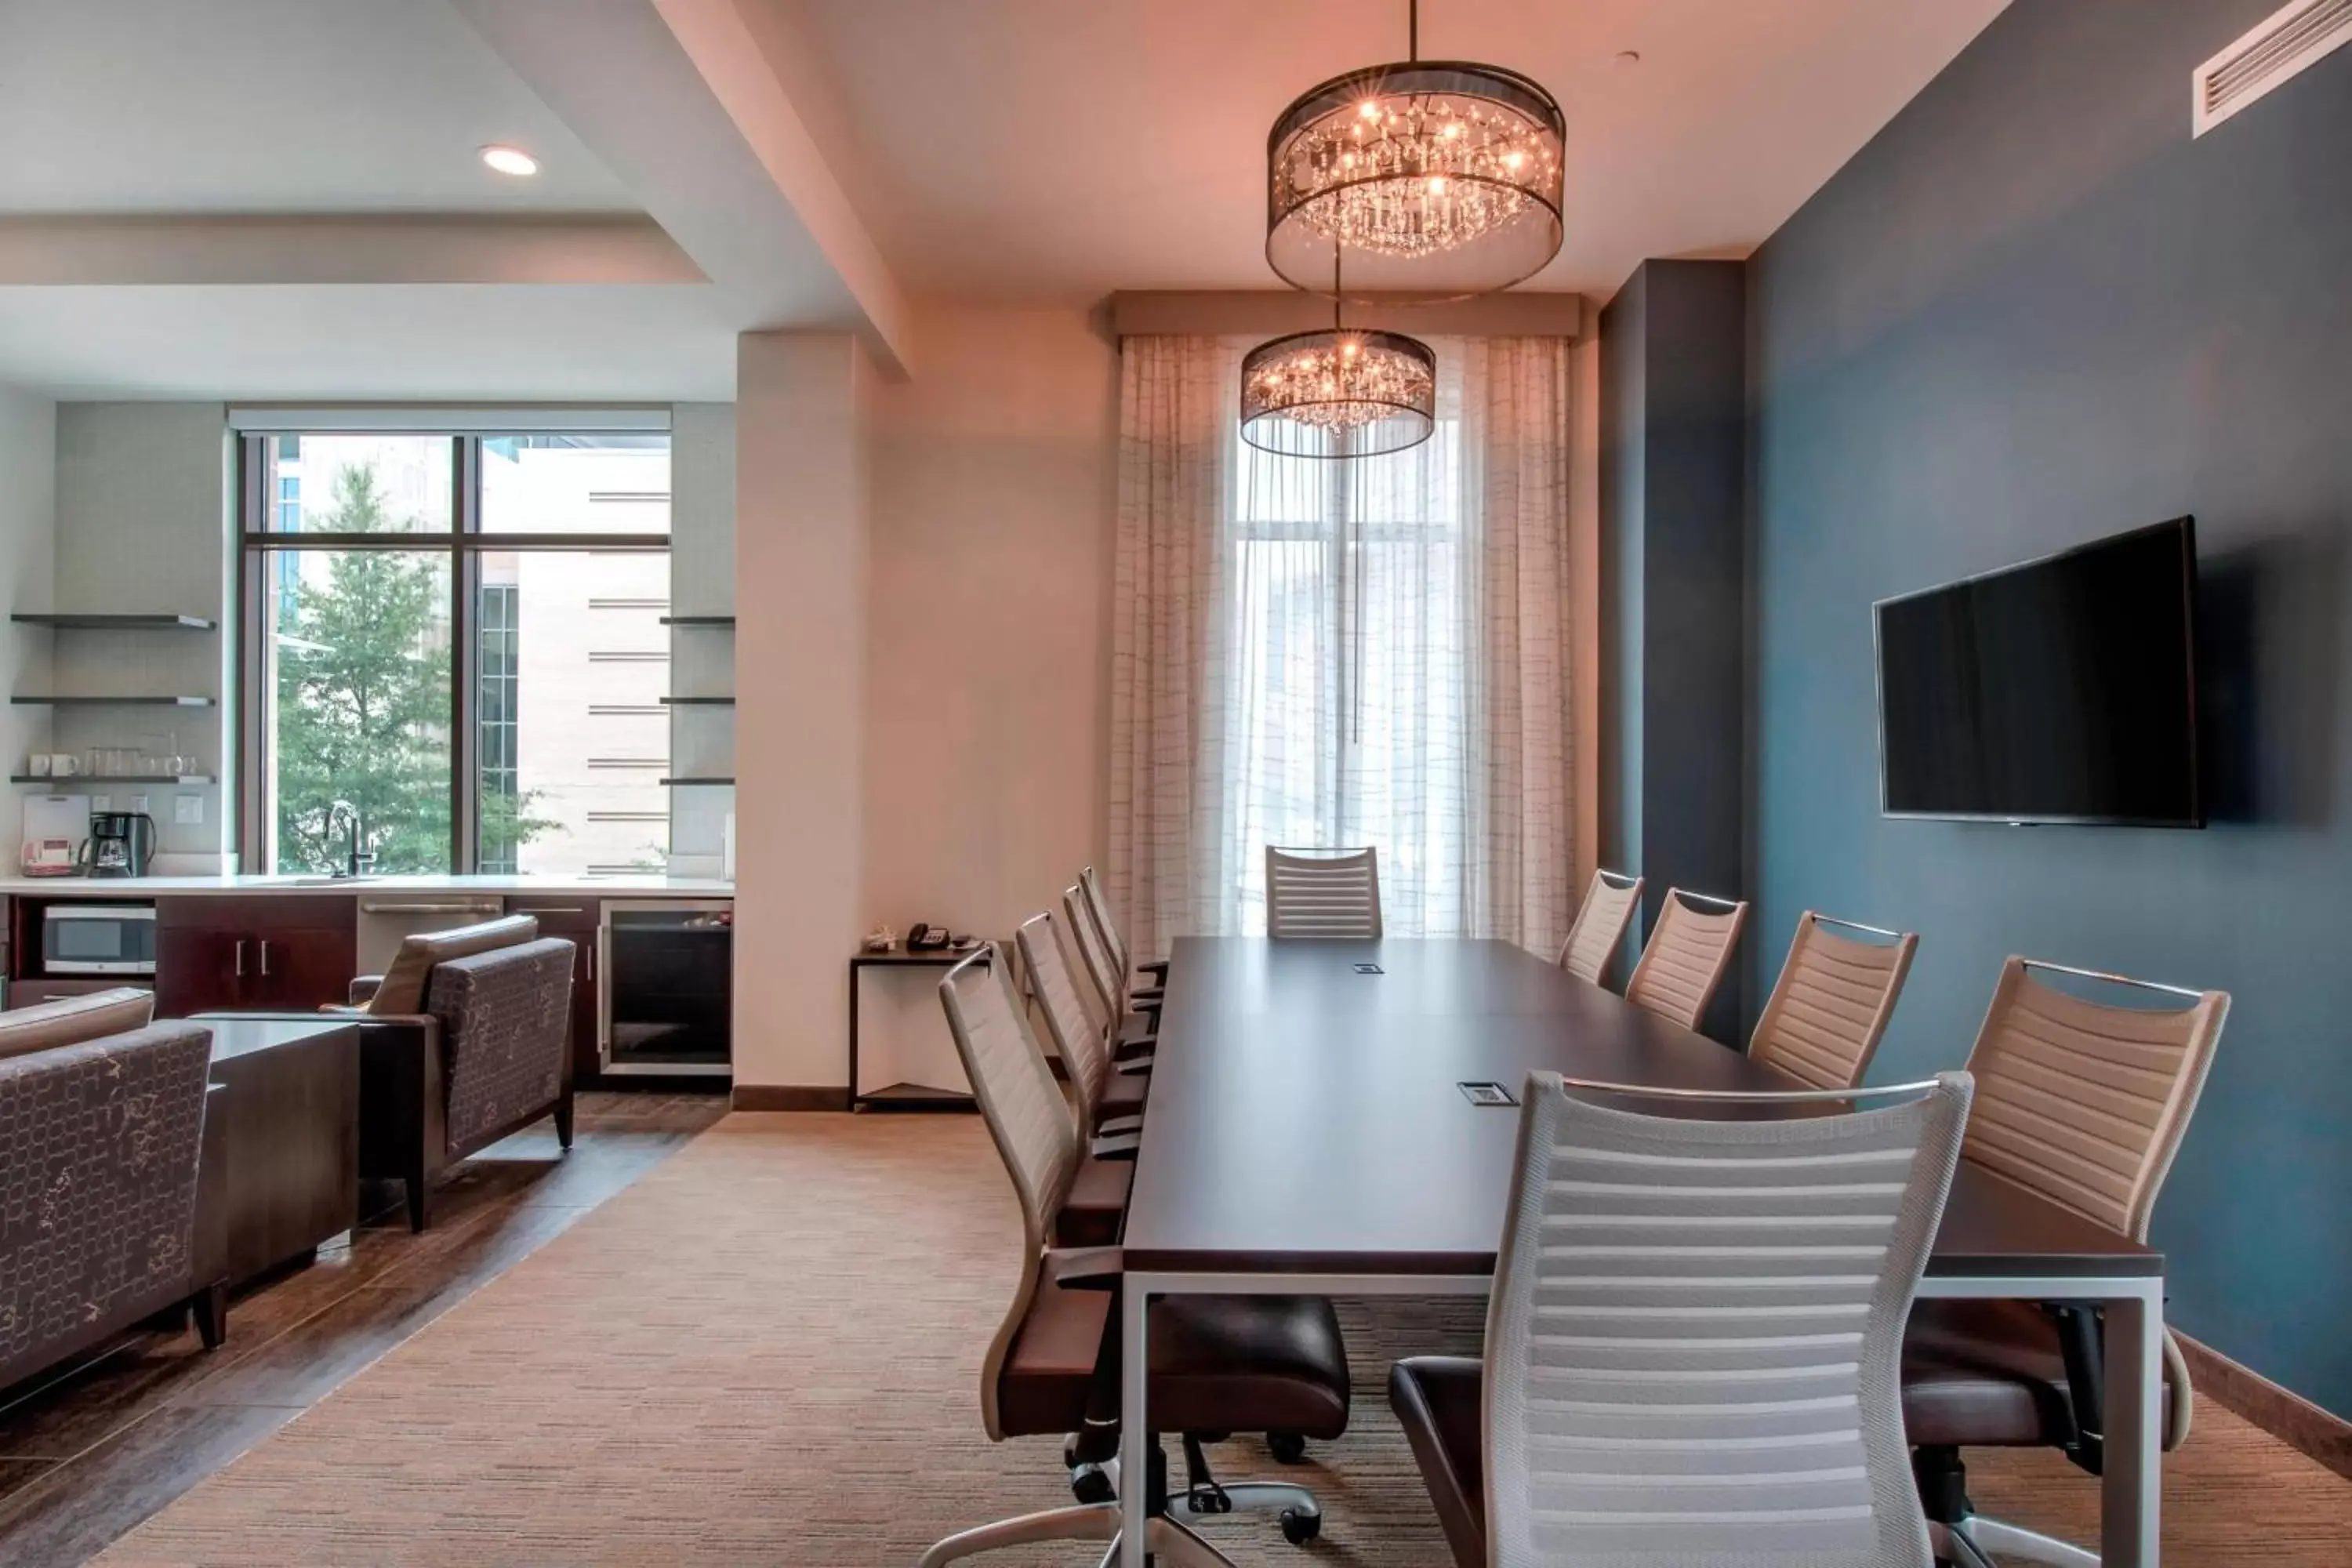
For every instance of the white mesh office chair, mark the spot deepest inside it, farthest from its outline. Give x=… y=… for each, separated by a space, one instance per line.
x=1693 y=1342
x=1830 y=1007
x=1111 y=1102
x=1601 y=921
x=1129 y=1026
x=1219 y=1363
x=1147 y=975
x=1687 y=955
x=1332 y=893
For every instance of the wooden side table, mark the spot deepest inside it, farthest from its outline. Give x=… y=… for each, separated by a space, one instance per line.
x=904 y=1096
x=290 y=1096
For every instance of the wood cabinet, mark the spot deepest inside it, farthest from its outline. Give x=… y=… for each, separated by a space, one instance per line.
x=575 y=920
x=270 y=950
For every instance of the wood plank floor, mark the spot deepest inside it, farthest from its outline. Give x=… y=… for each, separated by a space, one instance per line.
x=88 y=1453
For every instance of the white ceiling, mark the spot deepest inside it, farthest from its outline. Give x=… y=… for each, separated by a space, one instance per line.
x=271 y=106
x=1043 y=148
x=989 y=149
x=431 y=342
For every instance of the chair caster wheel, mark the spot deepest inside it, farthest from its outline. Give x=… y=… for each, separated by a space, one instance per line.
x=1091 y=1484
x=1299 y=1528
x=1287 y=1447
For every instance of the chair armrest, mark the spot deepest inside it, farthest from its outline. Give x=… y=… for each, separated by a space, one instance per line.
x=364 y=988
x=1117 y=1146
x=1084 y=1267
x=1157 y=969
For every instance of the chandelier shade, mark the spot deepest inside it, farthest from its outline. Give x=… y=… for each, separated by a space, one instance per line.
x=1436 y=179
x=1340 y=393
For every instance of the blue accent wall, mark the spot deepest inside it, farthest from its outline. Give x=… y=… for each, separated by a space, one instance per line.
x=2034 y=310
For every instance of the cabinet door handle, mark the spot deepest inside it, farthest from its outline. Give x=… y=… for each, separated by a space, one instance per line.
x=591 y=953
x=550 y=909
x=240 y=958
x=265 y=958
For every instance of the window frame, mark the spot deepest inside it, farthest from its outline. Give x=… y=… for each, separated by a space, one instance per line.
x=464 y=544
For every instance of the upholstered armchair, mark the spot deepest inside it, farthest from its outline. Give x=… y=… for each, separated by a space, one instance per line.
x=107 y=1209
x=465 y=1039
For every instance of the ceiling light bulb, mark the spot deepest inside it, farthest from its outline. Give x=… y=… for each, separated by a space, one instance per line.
x=1369 y=110
x=510 y=160
x=1437 y=185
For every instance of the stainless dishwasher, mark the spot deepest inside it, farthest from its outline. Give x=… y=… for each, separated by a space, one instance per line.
x=666 y=986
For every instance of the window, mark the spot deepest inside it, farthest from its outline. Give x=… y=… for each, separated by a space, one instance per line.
x=1345 y=709
x=429 y=617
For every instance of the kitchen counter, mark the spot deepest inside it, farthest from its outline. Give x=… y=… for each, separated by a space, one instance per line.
x=648 y=886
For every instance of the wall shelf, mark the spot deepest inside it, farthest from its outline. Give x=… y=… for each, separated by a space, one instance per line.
x=728 y=781
x=60 y=702
x=95 y=623
x=112 y=779
x=697 y=702
x=726 y=621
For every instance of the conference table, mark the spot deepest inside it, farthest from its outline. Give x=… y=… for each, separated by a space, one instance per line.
x=1308 y=1132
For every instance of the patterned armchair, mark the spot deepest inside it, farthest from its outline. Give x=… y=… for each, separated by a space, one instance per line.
x=107 y=1212
x=489 y=1054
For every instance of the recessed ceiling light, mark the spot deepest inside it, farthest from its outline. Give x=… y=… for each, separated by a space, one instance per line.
x=510 y=160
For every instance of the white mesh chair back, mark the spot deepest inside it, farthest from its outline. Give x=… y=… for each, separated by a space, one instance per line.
x=1830 y=1007
x=1097 y=904
x=1105 y=999
x=1084 y=1056
x=1695 y=1339
x=1026 y=1115
x=1601 y=921
x=1686 y=956
x=2086 y=1103
x=1330 y=893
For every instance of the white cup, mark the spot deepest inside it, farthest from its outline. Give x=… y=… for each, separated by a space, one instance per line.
x=37 y=764
x=64 y=765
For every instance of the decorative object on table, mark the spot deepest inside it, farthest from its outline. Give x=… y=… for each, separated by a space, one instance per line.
x=881 y=939
x=122 y=843
x=54 y=828
x=1440 y=179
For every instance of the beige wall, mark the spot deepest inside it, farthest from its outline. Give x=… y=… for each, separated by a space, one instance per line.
x=29 y=499
x=802 y=412
x=989 y=632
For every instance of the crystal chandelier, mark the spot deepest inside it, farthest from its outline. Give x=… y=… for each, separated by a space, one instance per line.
x=1341 y=393
x=1440 y=179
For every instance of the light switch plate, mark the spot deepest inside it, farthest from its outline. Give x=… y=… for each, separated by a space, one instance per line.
x=139 y=803
x=101 y=803
x=188 y=810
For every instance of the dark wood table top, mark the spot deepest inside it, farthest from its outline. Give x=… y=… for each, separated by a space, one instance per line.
x=234 y=1035
x=1306 y=1117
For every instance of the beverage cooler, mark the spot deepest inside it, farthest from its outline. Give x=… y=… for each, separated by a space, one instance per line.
x=665 y=976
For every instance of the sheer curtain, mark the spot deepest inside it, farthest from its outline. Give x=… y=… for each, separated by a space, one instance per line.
x=1314 y=652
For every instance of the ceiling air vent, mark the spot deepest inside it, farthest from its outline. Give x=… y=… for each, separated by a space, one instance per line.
x=2279 y=48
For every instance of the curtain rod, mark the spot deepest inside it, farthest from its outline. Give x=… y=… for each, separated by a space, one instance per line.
x=1270 y=312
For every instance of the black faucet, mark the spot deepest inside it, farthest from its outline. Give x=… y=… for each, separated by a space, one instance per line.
x=355 y=860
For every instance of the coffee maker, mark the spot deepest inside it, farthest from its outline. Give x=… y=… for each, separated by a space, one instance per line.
x=121 y=843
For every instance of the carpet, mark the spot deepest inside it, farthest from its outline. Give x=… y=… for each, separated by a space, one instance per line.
x=767 y=1350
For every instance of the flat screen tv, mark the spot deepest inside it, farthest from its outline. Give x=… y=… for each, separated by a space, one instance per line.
x=2063 y=690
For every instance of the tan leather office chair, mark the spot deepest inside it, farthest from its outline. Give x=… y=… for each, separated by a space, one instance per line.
x=1686 y=956
x=1601 y=921
x=2085 y=1103
x=1688 y=1359
x=1218 y=1363
x=1830 y=1007
x=1330 y=893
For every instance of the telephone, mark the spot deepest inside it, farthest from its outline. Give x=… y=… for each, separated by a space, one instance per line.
x=921 y=938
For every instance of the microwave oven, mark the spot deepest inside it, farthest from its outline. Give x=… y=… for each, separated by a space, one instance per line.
x=98 y=939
